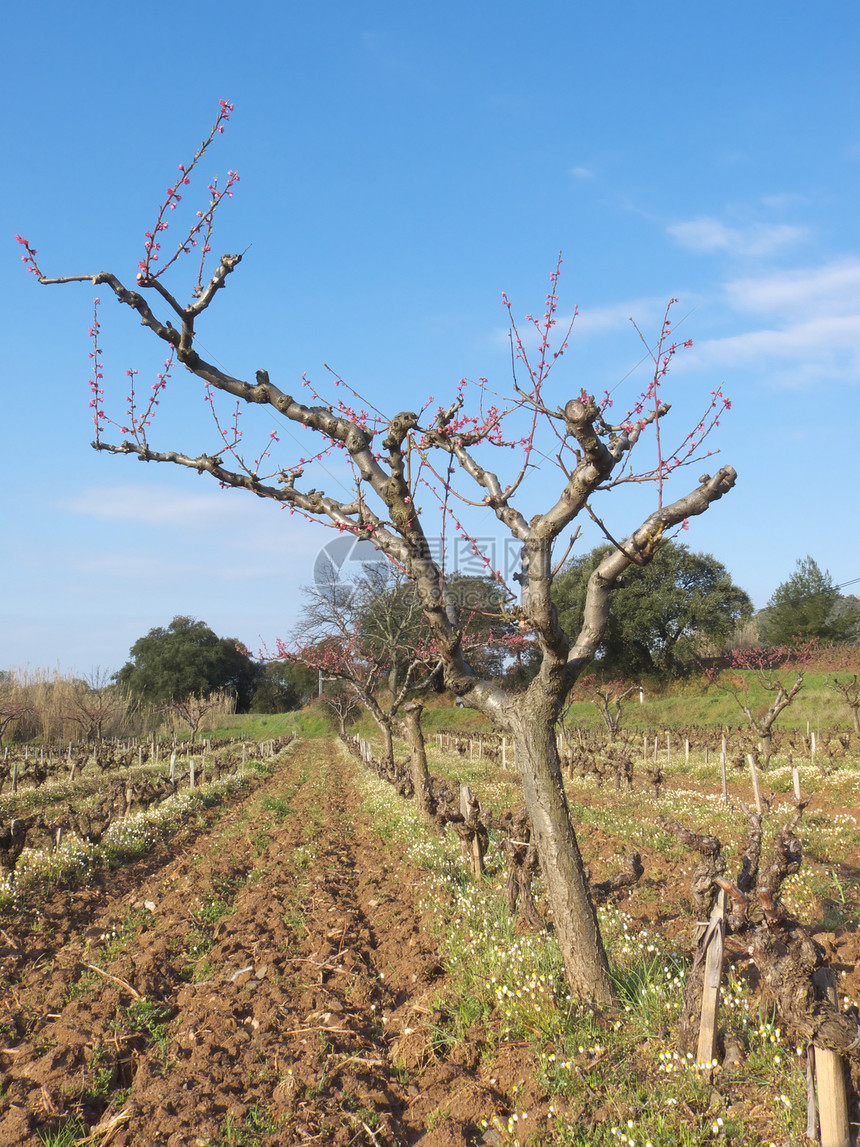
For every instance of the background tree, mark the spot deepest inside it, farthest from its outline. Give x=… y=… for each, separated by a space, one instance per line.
x=805 y=607
x=399 y=462
x=187 y=659
x=388 y=609
x=282 y=686
x=366 y=633
x=841 y=665
x=98 y=706
x=14 y=705
x=191 y=710
x=778 y=672
x=665 y=612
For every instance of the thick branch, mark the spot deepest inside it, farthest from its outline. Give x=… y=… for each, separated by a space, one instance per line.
x=640 y=546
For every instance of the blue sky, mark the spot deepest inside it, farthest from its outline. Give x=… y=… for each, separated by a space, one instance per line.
x=401 y=166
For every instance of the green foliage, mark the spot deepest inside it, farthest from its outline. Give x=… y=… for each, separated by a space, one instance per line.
x=187 y=660
x=283 y=687
x=808 y=605
x=664 y=612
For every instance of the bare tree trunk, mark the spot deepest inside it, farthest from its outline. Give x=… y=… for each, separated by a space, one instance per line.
x=418 y=756
x=766 y=747
x=384 y=725
x=574 y=916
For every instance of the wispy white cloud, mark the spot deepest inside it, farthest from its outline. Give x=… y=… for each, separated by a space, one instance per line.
x=262 y=531
x=154 y=506
x=707 y=235
x=833 y=288
x=582 y=173
x=811 y=325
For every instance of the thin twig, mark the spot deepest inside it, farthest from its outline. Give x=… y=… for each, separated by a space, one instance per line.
x=122 y=983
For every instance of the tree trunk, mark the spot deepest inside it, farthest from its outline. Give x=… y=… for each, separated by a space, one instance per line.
x=418 y=756
x=574 y=917
x=387 y=742
x=765 y=747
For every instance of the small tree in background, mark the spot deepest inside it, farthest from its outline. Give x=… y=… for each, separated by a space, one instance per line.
x=14 y=705
x=98 y=707
x=282 y=686
x=780 y=672
x=806 y=607
x=190 y=711
x=407 y=465
x=841 y=666
x=668 y=609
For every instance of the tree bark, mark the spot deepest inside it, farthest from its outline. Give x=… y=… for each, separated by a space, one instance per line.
x=418 y=756
x=574 y=917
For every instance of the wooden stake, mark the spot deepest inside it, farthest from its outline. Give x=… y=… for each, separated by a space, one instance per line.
x=709 y=1028
x=476 y=855
x=756 y=790
x=830 y=1077
x=795 y=777
x=723 y=774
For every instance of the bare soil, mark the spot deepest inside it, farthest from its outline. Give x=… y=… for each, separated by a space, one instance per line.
x=264 y=980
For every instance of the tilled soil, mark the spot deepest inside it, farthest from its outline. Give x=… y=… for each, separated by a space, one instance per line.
x=264 y=980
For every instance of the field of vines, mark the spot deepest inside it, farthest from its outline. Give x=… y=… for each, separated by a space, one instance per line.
x=244 y=943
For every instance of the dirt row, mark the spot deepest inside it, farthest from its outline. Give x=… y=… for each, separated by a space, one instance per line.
x=266 y=980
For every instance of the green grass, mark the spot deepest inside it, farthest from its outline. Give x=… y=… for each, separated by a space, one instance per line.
x=668 y=705
x=693 y=702
x=65 y=1136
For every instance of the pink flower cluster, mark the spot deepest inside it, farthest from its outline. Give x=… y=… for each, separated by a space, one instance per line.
x=29 y=260
x=146 y=271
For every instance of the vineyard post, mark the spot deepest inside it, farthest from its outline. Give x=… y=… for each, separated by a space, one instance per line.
x=709 y=1029
x=795 y=780
x=756 y=789
x=687 y=752
x=723 y=772
x=830 y=1077
x=476 y=854
x=14 y=777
